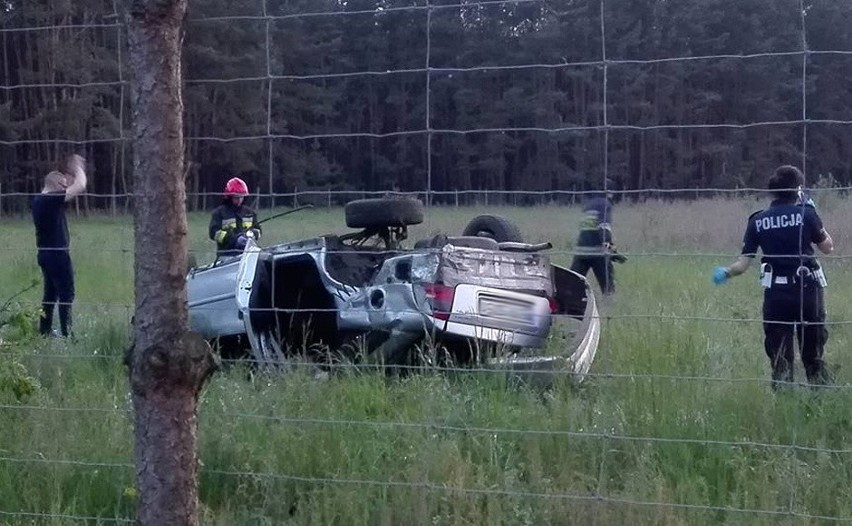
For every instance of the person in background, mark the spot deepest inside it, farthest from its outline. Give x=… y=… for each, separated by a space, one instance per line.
x=595 y=246
x=792 y=278
x=232 y=223
x=53 y=241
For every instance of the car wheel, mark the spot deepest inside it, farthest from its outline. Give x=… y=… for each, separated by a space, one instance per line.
x=374 y=213
x=497 y=228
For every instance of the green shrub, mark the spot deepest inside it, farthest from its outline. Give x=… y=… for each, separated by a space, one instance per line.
x=17 y=327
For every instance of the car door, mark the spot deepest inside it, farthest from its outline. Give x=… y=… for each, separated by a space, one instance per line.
x=245 y=283
x=255 y=303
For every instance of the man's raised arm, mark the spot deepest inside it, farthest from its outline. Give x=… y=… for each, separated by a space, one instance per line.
x=76 y=168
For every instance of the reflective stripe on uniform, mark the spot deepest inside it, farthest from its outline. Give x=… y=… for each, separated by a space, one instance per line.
x=597 y=250
x=229 y=223
x=220 y=236
x=247 y=223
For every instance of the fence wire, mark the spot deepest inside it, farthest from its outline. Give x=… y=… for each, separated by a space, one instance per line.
x=605 y=63
x=419 y=485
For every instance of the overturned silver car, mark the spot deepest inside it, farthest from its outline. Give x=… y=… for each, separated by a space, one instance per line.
x=484 y=298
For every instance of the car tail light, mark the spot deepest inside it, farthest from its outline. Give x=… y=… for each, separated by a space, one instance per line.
x=440 y=298
x=554 y=305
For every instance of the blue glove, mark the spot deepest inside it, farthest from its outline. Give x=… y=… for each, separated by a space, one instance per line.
x=720 y=275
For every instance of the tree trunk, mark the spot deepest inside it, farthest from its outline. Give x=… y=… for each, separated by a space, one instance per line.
x=168 y=365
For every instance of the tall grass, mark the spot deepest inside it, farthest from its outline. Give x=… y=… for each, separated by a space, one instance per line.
x=646 y=439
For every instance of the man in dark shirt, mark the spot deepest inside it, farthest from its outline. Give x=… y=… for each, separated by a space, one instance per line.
x=592 y=250
x=53 y=241
x=231 y=223
x=792 y=278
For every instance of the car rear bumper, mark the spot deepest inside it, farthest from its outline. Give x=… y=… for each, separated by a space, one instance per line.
x=493 y=335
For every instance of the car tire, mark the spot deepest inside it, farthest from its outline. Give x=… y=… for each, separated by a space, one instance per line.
x=373 y=213
x=497 y=228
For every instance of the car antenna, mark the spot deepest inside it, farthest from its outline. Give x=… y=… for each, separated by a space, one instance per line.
x=303 y=207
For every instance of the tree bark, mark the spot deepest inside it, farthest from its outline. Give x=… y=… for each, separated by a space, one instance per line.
x=168 y=365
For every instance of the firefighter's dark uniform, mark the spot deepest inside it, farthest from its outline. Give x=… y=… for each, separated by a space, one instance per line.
x=591 y=248
x=793 y=281
x=228 y=224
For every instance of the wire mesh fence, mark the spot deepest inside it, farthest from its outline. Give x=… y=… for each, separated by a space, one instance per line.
x=665 y=403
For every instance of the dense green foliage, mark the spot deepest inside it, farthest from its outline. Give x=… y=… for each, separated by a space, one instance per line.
x=17 y=331
x=392 y=43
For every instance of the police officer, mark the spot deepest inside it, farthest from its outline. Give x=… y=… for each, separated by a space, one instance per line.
x=231 y=222
x=594 y=243
x=792 y=278
x=53 y=241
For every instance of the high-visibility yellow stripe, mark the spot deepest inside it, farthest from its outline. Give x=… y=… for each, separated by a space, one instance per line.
x=220 y=236
x=597 y=250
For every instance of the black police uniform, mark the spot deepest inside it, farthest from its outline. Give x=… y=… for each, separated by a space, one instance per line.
x=590 y=250
x=227 y=223
x=793 y=296
x=54 y=259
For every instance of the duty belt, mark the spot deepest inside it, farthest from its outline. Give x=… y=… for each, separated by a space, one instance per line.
x=802 y=275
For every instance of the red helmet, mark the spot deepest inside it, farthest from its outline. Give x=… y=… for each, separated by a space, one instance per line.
x=236 y=186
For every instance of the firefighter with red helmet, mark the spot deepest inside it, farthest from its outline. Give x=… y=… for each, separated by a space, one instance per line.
x=232 y=223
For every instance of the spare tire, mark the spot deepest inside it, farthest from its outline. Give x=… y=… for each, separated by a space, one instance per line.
x=373 y=213
x=497 y=228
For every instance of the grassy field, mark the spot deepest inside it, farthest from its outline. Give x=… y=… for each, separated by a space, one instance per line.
x=677 y=425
